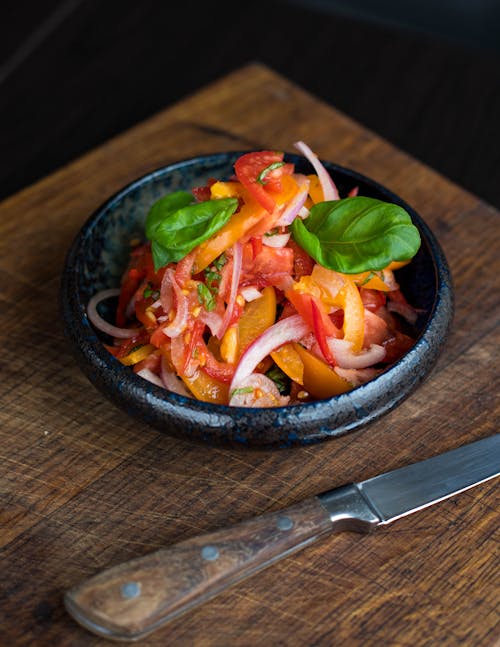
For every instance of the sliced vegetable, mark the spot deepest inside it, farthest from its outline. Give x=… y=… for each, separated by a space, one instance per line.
x=330 y=191
x=100 y=323
x=289 y=329
x=137 y=355
x=206 y=388
x=251 y=170
x=288 y=359
x=320 y=380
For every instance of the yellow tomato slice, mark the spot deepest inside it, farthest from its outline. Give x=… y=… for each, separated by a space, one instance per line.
x=354 y=315
x=368 y=280
x=343 y=293
x=248 y=216
x=315 y=190
x=226 y=190
x=206 y=388
x=288 y=359
x=257 y=317
x=320 y=380
x=395 y=265
x=138 y=355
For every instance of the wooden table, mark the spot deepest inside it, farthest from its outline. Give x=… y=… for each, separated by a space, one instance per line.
x=83 y=486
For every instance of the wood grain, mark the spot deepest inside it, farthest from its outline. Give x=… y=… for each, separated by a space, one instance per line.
x=83 y=487
x=174 y=580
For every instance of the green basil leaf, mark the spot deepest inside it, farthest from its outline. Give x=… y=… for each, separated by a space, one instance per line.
x=357 y=234
x=164 y=207
x=178 y=232
x=161 y=256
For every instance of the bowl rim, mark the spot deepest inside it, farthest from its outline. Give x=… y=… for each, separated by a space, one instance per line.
x=102 y=359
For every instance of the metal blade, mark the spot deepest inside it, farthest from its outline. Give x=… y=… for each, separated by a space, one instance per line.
x=408 y=489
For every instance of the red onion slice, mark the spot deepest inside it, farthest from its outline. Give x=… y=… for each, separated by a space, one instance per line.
x=212 y=319
x=290 y=329
x=297 y=202
x=277 y=240
x=346 y=358
x=235 y=281
x=330 y=191
x=100 y=323
x=171 y=381
x=148 y=375
x=250 y=293
x=166 y=292
x=179 y=323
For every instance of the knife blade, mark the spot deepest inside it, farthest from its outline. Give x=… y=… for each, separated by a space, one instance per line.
x=129 y=601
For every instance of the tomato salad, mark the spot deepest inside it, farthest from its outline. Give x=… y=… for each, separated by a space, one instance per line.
x=266 y=290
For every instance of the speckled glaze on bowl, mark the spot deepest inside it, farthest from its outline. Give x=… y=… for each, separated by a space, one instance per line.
x=99 y=255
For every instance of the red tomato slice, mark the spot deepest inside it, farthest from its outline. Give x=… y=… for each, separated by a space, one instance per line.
x=141 y=267
x=302 y=263
x=372 y=299
x=195 y=339
x=249 y=168
x=267 y=265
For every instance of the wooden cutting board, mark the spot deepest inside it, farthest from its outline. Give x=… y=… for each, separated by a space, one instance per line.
x=84 y=487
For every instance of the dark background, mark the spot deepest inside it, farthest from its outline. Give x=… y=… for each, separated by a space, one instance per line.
x=75 y=72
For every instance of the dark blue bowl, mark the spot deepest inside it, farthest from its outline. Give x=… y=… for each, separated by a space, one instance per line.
x=99 y=255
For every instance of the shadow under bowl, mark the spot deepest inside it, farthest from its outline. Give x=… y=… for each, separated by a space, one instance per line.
x=99 y=255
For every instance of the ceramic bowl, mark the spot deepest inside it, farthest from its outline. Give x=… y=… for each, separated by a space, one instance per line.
x=98 y=257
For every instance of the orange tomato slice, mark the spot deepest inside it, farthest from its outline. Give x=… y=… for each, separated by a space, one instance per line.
x=248 y=216
x=257 y=317
x=315 y=190
x=206 y=388
x=319 y=379
x=341 y=291
x=137 y=356
x=288 y=360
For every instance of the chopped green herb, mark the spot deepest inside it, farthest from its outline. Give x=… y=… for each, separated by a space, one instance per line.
x=368 y=278
x=272 y=232
x=241 y=391
x=149 y=292
x=211 y=276
x=220 y=262
x=281 y=380
x=267 y=170
x=205 y=297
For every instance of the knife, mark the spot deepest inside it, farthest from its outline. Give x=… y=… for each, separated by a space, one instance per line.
x=128 y=601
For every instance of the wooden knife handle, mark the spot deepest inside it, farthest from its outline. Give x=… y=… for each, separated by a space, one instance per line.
x=130 y=600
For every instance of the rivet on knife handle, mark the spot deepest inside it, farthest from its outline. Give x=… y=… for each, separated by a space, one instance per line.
x=131 y=600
